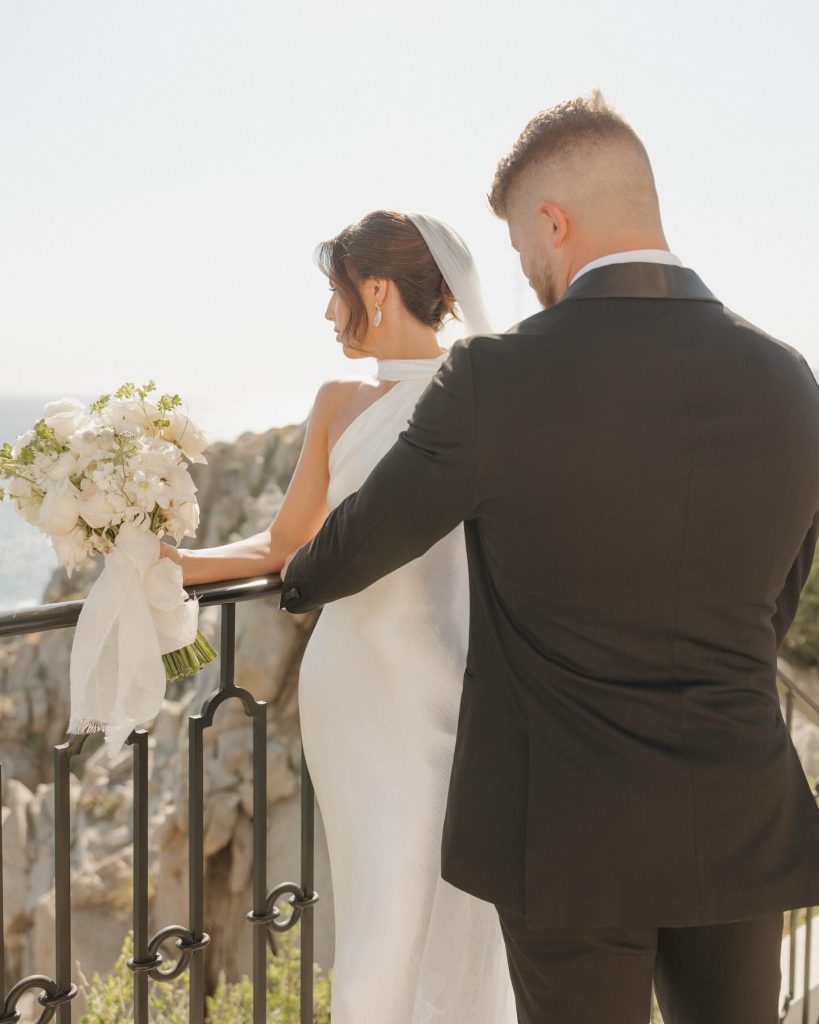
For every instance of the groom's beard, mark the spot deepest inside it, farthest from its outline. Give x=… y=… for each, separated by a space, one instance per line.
x=545 y=287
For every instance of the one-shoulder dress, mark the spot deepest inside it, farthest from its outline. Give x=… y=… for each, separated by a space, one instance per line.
x=379 y=693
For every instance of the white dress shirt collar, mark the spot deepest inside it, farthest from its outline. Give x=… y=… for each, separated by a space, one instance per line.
x=632 y=256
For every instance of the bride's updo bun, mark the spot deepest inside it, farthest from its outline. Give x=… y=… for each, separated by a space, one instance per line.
x=386 y=244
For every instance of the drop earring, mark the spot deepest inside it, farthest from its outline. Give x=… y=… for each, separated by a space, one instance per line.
x=377 y=317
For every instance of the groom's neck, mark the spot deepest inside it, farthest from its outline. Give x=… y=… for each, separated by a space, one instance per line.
x=595 y=248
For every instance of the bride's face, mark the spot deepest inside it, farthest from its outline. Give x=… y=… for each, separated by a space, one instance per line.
x=338 y=313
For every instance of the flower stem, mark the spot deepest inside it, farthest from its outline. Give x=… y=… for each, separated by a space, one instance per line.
x=187 y=661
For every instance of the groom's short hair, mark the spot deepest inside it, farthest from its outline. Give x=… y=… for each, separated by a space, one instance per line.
x=557 y=133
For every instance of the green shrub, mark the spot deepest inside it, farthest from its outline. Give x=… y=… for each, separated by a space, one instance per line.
x=110 y=1000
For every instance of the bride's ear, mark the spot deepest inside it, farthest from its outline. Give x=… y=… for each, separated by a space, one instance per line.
x=379 y=288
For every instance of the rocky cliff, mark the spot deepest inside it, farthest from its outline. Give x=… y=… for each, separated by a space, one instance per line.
x=239 y=492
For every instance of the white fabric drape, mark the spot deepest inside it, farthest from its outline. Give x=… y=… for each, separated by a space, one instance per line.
x=136 y=611
x=457 y=266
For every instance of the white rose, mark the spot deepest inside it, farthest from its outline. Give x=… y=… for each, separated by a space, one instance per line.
x=85 y=443
x=130 y=414
x=64 y=467
x=95 y=508
x=185 y=434
x=182 y=486
x=60 y=508
x=65 y=418
x=156 y=457
x=72 y=548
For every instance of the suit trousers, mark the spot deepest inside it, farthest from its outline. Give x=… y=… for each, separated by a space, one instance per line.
x=710 y=974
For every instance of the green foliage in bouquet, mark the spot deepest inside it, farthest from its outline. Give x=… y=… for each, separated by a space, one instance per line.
x=110 y=1000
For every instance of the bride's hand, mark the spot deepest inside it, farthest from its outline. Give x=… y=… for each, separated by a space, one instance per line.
x=169 y=551
x=287 y=562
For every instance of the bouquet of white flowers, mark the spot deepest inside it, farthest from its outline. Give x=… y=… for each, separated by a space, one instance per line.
x=113 y=479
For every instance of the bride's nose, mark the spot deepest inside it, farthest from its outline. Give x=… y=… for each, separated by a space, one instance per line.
x=329 y=313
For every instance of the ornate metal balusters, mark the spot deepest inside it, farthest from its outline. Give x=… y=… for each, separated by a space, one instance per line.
x=142 y=960
x=308 y=896
x=806 y=986
x=786 y=1002
x=196 y=866
x=62 y=872
x=259 y=913
x=789 y=695
x=57 y=993
x=2 y=908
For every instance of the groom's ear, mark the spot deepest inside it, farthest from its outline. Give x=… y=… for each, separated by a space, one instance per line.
x=554 y=223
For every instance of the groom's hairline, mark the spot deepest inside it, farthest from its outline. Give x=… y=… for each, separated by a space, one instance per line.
x=554 y=135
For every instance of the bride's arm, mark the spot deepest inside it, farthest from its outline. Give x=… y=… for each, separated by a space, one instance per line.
x=302 y=512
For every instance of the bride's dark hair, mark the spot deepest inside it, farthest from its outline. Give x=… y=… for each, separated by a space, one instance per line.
x=386 y=244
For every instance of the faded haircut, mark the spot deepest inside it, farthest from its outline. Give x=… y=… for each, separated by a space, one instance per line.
x=558 y=132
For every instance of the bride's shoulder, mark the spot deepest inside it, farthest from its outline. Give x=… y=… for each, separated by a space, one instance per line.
x=340 y=387
x=334 y=394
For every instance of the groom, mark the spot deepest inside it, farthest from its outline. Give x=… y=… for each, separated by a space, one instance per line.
x=637 y=471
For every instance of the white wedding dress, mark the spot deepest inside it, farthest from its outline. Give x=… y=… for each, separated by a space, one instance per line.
x=379 y=692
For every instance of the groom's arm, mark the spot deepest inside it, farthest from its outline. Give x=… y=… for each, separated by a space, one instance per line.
x=420 y=490
x=788 y=601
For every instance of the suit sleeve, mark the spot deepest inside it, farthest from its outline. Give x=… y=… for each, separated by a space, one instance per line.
x=788 y=601
x=420 y=490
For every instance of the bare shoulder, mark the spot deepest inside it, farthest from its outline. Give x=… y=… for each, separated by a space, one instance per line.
x=333 y=397
x=337 y=389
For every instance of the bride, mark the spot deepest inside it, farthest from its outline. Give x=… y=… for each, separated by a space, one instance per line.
x=380 y=680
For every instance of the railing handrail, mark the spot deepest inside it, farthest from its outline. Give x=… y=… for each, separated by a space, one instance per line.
x=65 y=613
x=797 y=691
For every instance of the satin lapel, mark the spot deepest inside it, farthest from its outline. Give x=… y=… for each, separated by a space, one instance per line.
x=639 y=281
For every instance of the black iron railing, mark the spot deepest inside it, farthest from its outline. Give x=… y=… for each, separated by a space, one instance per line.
x=58 y=991
x=794 y=698
x=191 y=940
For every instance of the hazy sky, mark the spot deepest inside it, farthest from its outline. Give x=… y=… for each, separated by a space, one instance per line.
x=166 y=169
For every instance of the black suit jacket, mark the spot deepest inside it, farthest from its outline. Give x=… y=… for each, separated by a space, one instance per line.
x=637 y=469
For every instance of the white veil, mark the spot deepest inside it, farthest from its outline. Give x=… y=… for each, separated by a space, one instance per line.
x=455 y=262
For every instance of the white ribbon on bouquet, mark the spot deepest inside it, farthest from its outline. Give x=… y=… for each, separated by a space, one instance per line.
x=137 y=611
